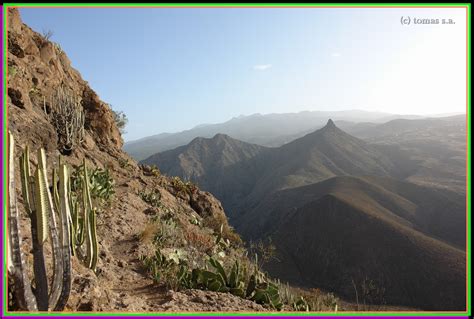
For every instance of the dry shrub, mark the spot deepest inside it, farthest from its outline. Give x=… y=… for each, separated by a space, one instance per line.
x=148 y=234
x=215 y=223
x=203 y=242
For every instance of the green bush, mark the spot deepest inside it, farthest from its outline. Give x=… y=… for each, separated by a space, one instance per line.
x=152 y=198
x=124 y=163
x=102 y=185
x=120 y=119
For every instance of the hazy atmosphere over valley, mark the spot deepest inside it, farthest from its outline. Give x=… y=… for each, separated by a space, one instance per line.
x=237 y=159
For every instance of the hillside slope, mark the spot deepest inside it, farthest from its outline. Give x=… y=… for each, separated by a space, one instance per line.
x=367 y=228
x=221 y=164
x=439 y=144
x=439 y=214
x=336 y=244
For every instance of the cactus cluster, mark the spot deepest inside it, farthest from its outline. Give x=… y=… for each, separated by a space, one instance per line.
x=67 y=115
x=101 y=184
x=83 y=221
x=54 y=213
x=44 y=213
x=301 y=305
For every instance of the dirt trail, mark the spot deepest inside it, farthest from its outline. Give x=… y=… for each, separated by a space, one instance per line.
x=122 y=283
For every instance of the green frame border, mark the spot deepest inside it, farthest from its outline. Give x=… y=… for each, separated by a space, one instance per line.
x=244 y=5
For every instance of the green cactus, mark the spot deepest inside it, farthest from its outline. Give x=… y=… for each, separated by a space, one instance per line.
x=15 y=259
x=65 y=237
x=59 y=214
x=82 y=220
x=301 y=305
x=41 y=206
x=50 y=215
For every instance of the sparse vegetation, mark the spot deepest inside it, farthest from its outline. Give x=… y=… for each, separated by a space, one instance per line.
x=12 y=70
x=369 y=294
x=58 y=47
x=163 y=268
x=102 y=185
x=67 y=116
x=257 y=287
x=194 y=220
x=34 y=92
x=265 y=250
x=152 y=198
x=220 y=227
x=47 y=34
x=307 y=300
x=121 y=120
x=181 y=188
x=124 y=163
x=150 y=170
x=190 y=255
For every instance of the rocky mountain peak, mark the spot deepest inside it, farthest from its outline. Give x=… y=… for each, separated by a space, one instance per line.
x=330 y=124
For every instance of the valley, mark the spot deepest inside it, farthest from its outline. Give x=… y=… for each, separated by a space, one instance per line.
x=328 y=200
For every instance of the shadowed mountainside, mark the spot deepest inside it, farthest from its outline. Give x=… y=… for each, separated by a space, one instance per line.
x=241 y=180
x=342 y=213
x=337 y=244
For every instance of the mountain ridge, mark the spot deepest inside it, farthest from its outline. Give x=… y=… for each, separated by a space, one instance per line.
x=263 y=129
x=330 y=169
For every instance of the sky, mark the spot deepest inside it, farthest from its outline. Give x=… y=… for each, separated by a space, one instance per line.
x=170 y=69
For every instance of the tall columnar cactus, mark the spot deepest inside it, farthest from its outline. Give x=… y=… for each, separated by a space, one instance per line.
x=43 y=208
x=83 y=223
x=16 y=260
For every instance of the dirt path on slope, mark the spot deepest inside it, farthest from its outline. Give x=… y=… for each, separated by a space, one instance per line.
x=122 y=283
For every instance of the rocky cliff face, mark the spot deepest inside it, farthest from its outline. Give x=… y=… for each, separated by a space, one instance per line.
x=37 y=67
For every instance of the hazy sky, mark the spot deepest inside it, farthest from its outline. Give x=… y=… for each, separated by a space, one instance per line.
x=171 y=69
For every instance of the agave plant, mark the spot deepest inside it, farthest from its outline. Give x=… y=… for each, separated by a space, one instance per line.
x=258 y=288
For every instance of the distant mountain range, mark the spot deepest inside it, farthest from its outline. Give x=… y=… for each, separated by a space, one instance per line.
x=267 y=130
x=234 y=170
x=347 y=215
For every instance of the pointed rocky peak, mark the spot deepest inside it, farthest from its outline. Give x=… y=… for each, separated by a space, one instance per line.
x=330 y=124
x=330 y=127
